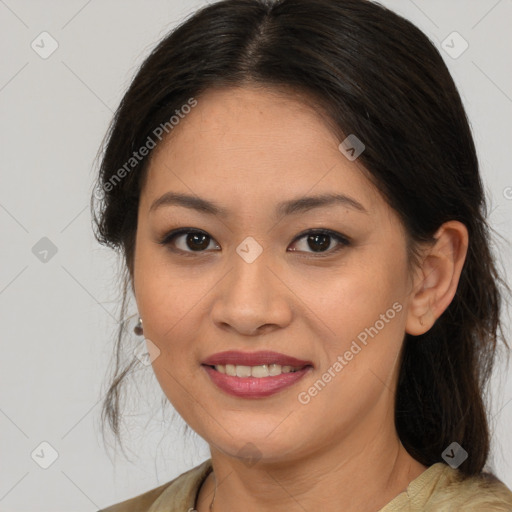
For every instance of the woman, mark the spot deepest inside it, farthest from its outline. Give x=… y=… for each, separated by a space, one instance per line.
x=294 y=188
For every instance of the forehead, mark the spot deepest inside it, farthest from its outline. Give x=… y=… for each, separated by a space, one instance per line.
x=255 y=142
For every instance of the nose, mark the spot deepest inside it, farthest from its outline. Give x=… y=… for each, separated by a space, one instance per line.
x=252 y=299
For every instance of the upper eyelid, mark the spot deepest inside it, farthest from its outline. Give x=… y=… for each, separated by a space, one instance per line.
x=340 y=237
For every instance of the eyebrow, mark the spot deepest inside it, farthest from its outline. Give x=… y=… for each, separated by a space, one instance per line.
x=285 y=208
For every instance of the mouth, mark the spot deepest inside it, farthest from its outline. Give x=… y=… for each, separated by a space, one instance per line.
x=254 y=375
x=261 y=358
x=260 y=371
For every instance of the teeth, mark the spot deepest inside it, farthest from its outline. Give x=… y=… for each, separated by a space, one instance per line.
x=264 y=370
x=243 y=371
x=274 y=369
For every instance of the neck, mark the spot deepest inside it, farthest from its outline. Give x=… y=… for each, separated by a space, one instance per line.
x=362 y=477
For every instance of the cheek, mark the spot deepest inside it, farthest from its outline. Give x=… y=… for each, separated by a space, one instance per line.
x=354 y=297
x=360 y=359
x=170 y=299
x=362 y=308
x=162 y=295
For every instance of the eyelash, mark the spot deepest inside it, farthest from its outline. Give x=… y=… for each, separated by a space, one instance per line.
x=341 y=239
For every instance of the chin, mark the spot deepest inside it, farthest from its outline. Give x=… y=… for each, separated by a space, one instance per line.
x=251 y=449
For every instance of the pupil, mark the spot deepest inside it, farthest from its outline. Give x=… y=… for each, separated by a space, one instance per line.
x=321 y=241
x=193 y=239
x=314 y=239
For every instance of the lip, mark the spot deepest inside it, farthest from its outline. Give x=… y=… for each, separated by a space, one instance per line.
x=253 y=387
x=254 y=359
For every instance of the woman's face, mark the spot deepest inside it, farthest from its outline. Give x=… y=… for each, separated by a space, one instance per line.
x=250 y=281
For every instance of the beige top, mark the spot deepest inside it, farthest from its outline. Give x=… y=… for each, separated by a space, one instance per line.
x=438 y=489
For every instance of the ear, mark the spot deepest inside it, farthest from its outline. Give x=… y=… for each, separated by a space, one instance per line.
x=438 y=277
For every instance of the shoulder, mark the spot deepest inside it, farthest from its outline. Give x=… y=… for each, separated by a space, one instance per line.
x=454 y=491
x=140 y=503
x=181 y=490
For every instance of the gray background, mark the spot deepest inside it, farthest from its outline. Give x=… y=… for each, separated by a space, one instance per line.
x=59 y=311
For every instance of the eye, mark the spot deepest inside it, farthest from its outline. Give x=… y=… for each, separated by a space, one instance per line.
x=192 y=240
x=319 y=241
x=189 y=240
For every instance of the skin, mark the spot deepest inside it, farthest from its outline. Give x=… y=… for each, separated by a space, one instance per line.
x=248 y=149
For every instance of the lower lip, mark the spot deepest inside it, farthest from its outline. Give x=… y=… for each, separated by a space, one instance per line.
x=253 y=387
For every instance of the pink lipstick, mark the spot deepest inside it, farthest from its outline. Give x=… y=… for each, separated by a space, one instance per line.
x=254 y=374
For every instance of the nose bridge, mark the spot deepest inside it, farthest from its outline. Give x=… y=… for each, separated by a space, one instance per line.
x=251 y=295
x=251 y=277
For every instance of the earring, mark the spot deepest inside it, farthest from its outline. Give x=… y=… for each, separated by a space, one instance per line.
x=138 y=328
x=421 y=320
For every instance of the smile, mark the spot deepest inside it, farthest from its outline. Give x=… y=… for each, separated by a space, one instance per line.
x=260 y=371
x=244 y=382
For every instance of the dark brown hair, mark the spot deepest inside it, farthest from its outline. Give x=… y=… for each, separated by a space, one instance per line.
x=374 y=74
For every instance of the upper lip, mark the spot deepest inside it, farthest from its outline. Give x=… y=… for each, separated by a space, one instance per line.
x=254 y=359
